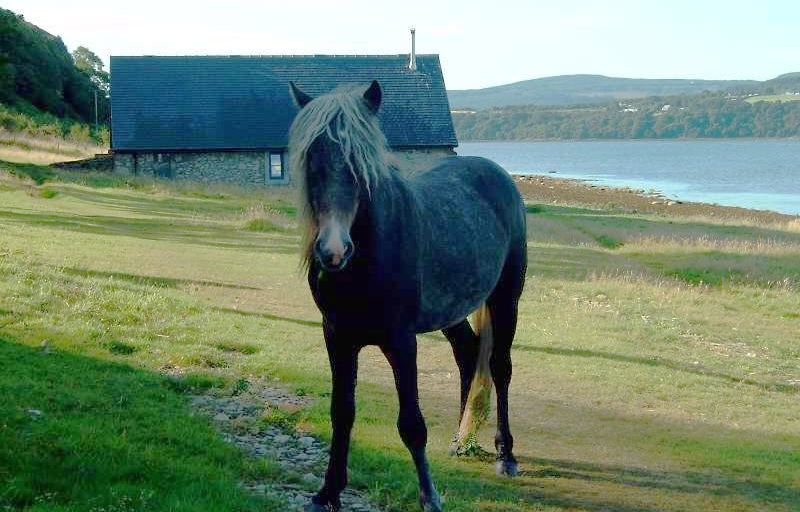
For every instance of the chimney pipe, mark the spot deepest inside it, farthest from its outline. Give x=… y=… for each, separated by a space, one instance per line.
x=412 y=63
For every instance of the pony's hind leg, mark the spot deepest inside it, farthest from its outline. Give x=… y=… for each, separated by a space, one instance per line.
x=504 y=323
x=464 y=342
x=503 y=307
x=402 y=356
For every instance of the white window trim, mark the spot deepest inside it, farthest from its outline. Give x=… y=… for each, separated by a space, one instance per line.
x=270 y=176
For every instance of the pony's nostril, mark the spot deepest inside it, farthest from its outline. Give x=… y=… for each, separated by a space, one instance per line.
x=348 y=250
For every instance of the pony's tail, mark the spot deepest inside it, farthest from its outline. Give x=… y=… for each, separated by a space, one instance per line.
x=478 y=405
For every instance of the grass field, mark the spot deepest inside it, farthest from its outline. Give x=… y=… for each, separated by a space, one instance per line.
x=773 y=98
x=657 y=363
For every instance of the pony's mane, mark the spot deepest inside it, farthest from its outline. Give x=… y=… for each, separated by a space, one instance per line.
x=343 y=116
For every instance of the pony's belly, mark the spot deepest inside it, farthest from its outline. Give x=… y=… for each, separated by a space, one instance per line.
x=436 y=321
x=447 y=301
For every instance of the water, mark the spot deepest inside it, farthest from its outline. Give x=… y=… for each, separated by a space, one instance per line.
x=761 y=174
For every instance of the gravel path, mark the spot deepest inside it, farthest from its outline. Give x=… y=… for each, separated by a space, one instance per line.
x=303 y=457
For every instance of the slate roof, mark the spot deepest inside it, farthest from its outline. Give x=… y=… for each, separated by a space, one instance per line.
x=243 y=102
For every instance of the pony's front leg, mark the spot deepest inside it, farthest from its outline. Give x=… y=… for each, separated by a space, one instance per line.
x=343 y=358
x=402 y=355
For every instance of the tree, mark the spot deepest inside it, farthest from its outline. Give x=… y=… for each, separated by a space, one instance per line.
x=37 y=72
x=90 y=64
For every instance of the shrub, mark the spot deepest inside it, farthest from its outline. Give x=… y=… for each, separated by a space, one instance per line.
x=264 y=219
x=80 y=133
x=47 y=193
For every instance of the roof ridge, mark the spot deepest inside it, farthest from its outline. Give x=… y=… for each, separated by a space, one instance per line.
x=274 y=56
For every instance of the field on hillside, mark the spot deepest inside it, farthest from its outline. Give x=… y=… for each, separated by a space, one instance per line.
x=773 y=98
x=657 y=362
x=16 y=147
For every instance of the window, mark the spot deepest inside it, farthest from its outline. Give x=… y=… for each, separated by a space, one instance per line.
x=275 y=166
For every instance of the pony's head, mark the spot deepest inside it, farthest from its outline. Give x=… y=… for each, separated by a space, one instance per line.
x=339 y=153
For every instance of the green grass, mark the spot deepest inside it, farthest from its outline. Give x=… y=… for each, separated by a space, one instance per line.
x=81 y=434
x=656 y=362
x=48 y=193
x=261 y=225
x=608 y=242
x=773 y=98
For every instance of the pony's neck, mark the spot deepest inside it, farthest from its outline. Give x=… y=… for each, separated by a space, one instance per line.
x=387 y=209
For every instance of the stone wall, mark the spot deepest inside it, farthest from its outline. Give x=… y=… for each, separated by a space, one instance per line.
x=123 y=163
x=237 y=167
x=241 y=167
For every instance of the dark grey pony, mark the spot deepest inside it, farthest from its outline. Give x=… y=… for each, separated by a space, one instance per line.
x=389 y=257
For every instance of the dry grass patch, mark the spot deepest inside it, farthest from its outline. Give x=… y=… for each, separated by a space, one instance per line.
x=15 y=147
x=712 y=243
x=792 y=225
x=263 y=218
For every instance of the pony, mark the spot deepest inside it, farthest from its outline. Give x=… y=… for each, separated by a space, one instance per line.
x=389 y=256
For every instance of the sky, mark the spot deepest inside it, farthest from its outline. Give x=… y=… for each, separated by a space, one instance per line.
x=481 y=43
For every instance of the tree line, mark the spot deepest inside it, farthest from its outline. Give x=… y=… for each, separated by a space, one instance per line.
x=711 y=115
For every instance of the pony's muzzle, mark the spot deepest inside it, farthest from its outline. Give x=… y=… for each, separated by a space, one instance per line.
x=333 y=257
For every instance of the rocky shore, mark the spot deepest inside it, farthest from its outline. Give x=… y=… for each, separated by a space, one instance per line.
x=561 y=191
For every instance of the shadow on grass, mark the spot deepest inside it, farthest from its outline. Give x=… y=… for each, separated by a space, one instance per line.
x=611 y=487
x=165 y=282
x=660 y=362
x=269 y=316
x=158 y=205
x=182 y=205
x=155 y=229
x=686 y=482
x=82 y=434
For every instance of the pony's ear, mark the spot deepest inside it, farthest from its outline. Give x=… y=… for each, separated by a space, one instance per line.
x=373 y=96
x=302 y=99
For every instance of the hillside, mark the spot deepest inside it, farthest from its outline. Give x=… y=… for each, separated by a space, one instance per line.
x=47 y=97
x=709 y=115
x=597 y=89
x=37 y=72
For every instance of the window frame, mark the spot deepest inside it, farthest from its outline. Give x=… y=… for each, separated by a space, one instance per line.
x=281 y=162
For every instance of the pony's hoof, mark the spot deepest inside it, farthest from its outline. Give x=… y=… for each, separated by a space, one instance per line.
x=506 y=467
x=323 y=505
x=431 y=503
x=316 y=507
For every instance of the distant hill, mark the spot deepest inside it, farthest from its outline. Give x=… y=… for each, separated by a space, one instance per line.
x=708 y=115
x=598 y=89
x=788 y=81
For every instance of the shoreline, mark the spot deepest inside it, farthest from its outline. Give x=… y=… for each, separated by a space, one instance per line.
x=644 y=139
x=573 y=192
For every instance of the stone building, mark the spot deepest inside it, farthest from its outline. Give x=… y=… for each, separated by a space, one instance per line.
x=226 y=119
